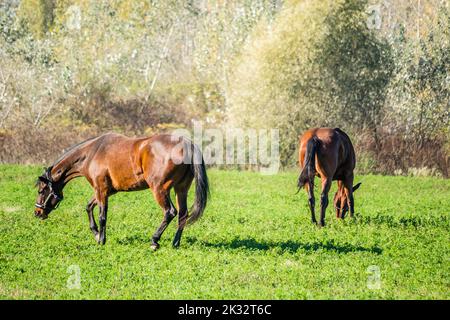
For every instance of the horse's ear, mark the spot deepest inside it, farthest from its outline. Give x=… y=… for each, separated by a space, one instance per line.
x=42 y=179
x=356 y=186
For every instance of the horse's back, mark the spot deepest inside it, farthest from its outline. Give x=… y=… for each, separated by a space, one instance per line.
x=111 y=157
x=328 y=138
x=335 y=152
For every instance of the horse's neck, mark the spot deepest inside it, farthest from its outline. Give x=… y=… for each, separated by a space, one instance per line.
x=69 y=166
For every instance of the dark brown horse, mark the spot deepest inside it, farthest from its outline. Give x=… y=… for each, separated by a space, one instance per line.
x=112 y=163
x=328 y=153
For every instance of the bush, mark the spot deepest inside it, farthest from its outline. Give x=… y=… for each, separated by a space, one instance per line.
x=316 y=65
x=137 y=67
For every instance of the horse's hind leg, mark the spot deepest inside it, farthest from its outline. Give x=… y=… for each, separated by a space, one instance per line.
x=326 y=185
x=163 y=199
x=90 y=211
x=182 y=215
x=311 y=201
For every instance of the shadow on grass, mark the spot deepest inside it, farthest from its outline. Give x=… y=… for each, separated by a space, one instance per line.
x=285 y=246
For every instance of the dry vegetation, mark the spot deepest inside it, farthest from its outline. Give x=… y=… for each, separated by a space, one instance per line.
x=380 y=70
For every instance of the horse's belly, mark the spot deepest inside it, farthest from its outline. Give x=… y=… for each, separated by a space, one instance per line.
x=127 y=179
x=134 y=186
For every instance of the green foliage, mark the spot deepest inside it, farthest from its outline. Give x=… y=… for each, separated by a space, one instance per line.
x=356 y=66
x=129 y=65
x=38 y=15
x=255 y=241
x=420 y=92
x=317 y=65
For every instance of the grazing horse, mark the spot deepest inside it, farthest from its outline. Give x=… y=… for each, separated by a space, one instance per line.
x=112 y=163
x=329 y=154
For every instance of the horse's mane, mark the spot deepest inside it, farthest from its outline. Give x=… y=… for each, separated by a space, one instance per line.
x=71 y=148
x=47 y=171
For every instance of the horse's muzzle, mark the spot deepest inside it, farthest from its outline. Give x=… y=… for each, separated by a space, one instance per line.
x=40 y=214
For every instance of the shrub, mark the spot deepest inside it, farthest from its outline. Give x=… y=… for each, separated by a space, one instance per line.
x=316 y=65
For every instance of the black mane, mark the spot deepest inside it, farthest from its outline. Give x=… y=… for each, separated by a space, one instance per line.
x=69 y=150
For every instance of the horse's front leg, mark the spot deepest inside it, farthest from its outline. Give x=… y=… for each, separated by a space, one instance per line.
x=90 y=211
x=102 y=202
x=326 y=185
x=348 y=189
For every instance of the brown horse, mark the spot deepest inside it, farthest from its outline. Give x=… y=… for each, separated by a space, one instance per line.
x=112 y=163
x=329 y=154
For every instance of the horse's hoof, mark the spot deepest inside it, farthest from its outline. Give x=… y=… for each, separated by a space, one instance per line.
x=99 y=240
x=154 y=246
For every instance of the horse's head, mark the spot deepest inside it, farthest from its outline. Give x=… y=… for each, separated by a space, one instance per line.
x=49 y=195
x=341 y=202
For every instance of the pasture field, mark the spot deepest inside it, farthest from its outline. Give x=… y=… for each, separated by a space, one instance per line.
x=255 y=241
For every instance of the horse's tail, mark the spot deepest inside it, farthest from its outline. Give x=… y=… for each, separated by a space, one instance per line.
x=201 y=185
x=308 y=171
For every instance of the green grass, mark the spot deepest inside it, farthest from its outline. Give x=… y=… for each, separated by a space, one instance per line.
x=255 y=241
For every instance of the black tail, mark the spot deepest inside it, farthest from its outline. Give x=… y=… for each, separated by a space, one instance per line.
x=201 y=185
x=309 y=168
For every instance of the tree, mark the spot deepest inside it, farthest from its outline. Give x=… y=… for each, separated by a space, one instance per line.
x=318 y=64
